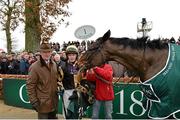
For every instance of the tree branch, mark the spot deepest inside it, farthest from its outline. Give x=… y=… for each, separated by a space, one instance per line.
x=3 y=2
x=8 y=3
x=3 y=12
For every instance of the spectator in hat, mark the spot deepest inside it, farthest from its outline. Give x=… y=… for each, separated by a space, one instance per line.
x=42 y=84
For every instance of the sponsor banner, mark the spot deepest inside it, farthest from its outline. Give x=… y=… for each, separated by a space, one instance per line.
x=127 y=103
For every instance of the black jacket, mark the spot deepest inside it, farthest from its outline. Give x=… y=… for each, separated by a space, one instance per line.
x=4 y=67
x=13 y=67
x=69 y=71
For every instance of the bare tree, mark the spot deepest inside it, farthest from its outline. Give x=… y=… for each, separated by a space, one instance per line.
x=42 y=19
x=11 y=13
x=52 y=14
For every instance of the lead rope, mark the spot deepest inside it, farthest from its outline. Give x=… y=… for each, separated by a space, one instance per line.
x=60 y=88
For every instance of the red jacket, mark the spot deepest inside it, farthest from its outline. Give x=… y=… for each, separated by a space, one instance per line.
x=103 y=90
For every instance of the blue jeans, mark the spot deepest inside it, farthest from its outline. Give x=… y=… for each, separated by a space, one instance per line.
x=107 y=111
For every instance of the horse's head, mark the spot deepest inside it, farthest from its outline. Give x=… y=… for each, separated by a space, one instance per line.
x=95 y=55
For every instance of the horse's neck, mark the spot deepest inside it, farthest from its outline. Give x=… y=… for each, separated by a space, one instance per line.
x=157 y=60
x=130 y=58
x=146 y=63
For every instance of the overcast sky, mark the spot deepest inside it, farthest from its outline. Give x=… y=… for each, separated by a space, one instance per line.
x=120 y=16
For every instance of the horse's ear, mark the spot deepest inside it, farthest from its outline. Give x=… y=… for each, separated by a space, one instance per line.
x=106 y=36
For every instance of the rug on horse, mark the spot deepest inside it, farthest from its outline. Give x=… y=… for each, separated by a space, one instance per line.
x=162 y=90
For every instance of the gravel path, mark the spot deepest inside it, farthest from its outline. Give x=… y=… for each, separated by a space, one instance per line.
x=10 y=112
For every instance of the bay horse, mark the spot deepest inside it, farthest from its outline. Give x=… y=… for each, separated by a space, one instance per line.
x=146 y=59
x=151 y=60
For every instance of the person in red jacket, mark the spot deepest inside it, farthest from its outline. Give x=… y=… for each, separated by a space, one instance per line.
x=104 y=92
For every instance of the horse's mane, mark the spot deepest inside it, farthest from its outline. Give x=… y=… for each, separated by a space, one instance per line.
x=140 y=43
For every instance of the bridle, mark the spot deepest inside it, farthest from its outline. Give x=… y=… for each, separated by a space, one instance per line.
x=94 y=51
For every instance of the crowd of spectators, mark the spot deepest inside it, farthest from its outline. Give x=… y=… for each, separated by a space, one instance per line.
x=80 y=45
x=16 y=63
x=19 y=63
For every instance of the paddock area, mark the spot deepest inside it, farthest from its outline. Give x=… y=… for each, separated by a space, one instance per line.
x=10 y=112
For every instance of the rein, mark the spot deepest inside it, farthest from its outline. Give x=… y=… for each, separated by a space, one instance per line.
x=102 y=79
